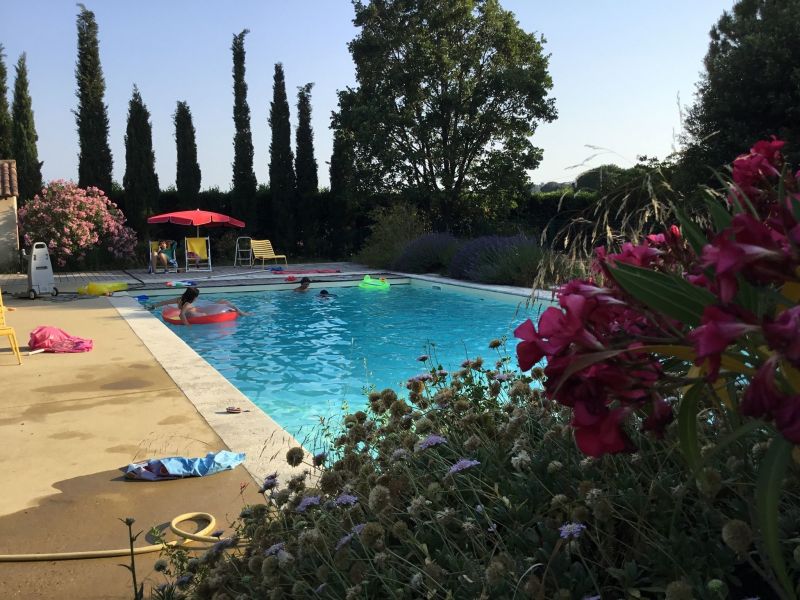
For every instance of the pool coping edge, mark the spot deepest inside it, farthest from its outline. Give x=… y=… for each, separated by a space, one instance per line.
x=252 y=431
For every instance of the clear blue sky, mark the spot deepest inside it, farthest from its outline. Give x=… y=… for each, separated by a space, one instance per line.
x=618 y=69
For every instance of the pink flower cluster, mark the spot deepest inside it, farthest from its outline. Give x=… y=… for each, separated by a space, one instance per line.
x=592 y=341
x=73 y=221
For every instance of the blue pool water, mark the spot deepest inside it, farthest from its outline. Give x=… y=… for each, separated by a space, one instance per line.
x=300 y=358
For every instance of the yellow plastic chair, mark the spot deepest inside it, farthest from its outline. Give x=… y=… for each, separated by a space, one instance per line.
x=262 y=250
x=170 y=251
x=8 y=331
x=198 y=251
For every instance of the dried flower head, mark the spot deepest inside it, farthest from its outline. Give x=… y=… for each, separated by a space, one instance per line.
x=472 y=443
x=679 y=590
x=379 y=498
x=737 y=535
x=295 y=456
x=521 y=461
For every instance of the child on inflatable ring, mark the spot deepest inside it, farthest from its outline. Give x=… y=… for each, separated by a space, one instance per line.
x=186 y=305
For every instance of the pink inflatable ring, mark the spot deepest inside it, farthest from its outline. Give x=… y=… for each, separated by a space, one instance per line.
x=210 y=313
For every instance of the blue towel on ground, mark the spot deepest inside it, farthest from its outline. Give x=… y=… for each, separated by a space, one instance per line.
x=176 y=467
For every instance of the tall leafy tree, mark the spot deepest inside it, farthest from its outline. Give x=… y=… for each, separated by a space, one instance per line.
x=187 y=178
x=244 y=178
x=5 y=117
x=336 y=219
x=281 y=167
x=94 y=158
x=448 y=94
x=23 y=139
x=140 y=180
x=750 y=89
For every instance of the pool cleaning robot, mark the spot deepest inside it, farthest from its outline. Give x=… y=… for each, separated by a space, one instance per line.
x=40 y=272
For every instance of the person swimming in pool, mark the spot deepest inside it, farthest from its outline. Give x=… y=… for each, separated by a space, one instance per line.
x=304 y=283
x=186 y=305
x=326 y=295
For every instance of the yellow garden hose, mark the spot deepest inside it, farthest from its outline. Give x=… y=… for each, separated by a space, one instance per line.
x=186 y=539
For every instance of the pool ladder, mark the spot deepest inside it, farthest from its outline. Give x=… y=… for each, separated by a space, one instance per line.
x=243 y=255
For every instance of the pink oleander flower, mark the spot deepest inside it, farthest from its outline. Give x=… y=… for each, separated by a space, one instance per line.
x=783 y=334
x=764 y=400
x=719 y=329
x=730 y=257
x=606 y=436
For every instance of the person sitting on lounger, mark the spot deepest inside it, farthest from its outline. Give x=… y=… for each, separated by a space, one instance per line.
x=185 y=302
x=159 y=257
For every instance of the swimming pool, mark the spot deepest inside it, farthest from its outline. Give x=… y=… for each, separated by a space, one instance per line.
x=299 y=358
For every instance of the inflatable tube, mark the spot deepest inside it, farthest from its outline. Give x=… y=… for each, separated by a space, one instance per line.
x=211 y=313
x=368 y=283
x=101 y=289
x=180 y=283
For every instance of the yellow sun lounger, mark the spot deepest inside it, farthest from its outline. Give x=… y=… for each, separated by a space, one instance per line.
x=198 y=254
x=262 y=250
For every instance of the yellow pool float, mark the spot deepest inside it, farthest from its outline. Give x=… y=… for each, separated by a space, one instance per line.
x=101 y=289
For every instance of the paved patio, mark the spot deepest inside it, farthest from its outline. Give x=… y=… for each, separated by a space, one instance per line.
x=69 y=422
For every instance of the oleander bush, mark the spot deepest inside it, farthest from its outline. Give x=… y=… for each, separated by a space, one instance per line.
x=429 y=253
x=78 y=225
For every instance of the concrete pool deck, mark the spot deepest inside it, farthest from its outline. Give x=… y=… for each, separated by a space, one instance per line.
x=69 y=422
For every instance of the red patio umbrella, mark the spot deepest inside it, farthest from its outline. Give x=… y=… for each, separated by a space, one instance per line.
x=196 y=218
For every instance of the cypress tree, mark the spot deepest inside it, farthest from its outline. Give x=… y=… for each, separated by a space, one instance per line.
x=140 y=181
x=244 y=178
x=337 y=211
x=187 y=178
x=5 y=117
x=305 y=164
x=94 y=158
x=23 y=139
x=281 y=167
x=306 y=215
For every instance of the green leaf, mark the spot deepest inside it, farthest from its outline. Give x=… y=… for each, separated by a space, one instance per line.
x=748 y=296
x=719 y=214
x=687 y=426
x=663 y=292
x=690 y=231
x=768 y=492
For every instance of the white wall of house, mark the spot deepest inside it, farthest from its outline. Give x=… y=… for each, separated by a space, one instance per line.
x=9 y=238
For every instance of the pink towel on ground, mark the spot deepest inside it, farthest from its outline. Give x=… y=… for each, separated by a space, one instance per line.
x=53 y=339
